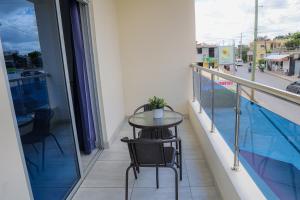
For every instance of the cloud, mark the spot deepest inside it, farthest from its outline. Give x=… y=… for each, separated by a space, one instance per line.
x=18 y=28
x=220 y=20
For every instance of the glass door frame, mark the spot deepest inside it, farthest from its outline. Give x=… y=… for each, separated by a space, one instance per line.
x=97 y=100
x=89 y=49
x=98 y=121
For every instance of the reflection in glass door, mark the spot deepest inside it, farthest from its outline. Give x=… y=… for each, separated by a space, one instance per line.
x=35 y=68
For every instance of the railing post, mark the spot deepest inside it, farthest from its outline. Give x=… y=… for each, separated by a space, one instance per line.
x=212 y=103
x=193 y=75
x=237 y=128
x=200 y=89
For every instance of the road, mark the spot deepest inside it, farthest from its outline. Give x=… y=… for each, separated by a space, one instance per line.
x=281 y=107
x=264 y=78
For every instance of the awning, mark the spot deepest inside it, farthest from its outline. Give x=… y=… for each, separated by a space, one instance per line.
x=277 y=57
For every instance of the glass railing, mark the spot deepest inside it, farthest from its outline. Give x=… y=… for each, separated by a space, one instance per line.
x=29 y=93
x=263 y=132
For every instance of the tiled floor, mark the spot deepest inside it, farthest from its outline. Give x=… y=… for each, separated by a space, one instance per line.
x=106 y=180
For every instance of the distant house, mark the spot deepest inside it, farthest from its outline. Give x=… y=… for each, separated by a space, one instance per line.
x=207 y=55
x=264 y=47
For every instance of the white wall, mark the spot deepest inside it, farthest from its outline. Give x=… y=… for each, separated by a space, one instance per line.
x=157 y=39
x=110 y=69
x=13 y=182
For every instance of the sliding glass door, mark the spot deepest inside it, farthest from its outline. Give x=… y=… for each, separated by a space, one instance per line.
x=37 y=72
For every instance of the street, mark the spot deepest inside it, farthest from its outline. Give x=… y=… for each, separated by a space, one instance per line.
x=287 y=110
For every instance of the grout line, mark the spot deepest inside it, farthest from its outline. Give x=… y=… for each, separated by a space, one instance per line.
x=132 y=189
x=185 y=165
x=100 y=187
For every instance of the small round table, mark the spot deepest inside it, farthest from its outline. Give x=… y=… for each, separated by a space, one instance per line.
x=145 y=120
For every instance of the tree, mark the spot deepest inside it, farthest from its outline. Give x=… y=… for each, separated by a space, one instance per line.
x=245 y=50
x=280 y=37
x=35 y=58
x=293 y=41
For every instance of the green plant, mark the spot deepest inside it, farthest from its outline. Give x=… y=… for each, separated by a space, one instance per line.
x=157 y=103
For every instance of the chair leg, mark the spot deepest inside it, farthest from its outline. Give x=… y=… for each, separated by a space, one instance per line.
x=177 y=160
x=157 y=177
x=57 y=143
x=134 y=171
x=32 y=163
x=176 y=182
x=126 y=183
x=180 y=160
x=134 y=132
x=35 y=149
x=176 y=136
x=43 y=154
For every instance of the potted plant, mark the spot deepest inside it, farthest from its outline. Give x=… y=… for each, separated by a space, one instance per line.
x=157 y=105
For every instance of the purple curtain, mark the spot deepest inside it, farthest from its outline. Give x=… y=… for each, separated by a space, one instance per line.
x=84 y=119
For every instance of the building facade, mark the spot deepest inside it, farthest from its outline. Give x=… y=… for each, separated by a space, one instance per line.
x=207 y=55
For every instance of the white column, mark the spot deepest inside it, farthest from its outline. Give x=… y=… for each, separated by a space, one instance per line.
x=14 y=183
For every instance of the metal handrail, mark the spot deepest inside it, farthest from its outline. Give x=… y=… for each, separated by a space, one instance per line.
x=29 y=77
x=291 y=97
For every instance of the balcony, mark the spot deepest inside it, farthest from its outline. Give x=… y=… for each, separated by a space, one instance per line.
x=234 y=147
x=106 y=180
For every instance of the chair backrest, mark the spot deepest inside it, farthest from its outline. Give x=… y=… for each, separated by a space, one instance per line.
x=147 y=107
x=146 y=151
x=41 y=121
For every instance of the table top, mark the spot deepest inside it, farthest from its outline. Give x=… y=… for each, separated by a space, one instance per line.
x=146 y=120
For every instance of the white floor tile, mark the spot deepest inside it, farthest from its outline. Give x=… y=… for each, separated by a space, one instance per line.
x=160 y=194
x=108 y=174
x=101 y=193
x=106 y=180
x=205 y=193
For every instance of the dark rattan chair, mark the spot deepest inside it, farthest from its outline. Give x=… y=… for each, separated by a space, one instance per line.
x=40 y=131
x=153 y=153
x=163 y=133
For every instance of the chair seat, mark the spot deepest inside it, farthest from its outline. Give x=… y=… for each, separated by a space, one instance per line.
x=170 y=155
x=152 y=134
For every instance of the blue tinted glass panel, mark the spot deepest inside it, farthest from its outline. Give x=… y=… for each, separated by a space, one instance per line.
x=268 y=141
x=206 y=93
x=32 y=51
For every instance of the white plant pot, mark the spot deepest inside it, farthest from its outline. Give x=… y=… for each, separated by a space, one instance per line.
x=158 y=113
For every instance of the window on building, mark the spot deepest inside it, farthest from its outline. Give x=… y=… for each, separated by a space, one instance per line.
x=211 y=52
x=199 y=50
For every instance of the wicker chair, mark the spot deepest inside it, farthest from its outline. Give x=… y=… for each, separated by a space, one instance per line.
x=153 y=153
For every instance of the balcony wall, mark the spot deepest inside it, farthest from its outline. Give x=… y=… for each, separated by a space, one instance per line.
x=110 y=69
x=144 y=49
x=157 y=40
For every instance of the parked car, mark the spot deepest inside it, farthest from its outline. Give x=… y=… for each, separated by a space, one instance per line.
x=239 y=62
x=294 y=87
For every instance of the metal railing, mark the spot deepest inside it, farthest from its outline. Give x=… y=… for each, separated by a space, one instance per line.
x=42 y=75
x=198 y=71
x=29 y=92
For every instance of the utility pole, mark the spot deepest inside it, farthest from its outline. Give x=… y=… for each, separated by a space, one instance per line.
x=254 y=49
x=241 y=47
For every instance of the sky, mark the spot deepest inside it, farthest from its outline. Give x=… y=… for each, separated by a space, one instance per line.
x=223 y=21
x=18 y=28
